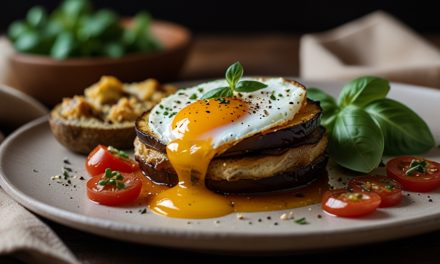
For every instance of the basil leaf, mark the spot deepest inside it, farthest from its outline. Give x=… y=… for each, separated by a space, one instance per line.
x=63 y=46
x=356 y=141
x=249 y=86
x=363 y=90
x=36 y=16
x=75 y=8
x=16 y=29
x=234 y=74
x=28 y=42
x=404 y=131
x=327 y=103
x=217 y=93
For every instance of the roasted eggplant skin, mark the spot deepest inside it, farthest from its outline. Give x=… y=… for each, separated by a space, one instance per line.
x=306 y=123
x=280 y=182
x=83 y=140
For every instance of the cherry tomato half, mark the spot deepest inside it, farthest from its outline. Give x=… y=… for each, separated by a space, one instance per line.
x=389 y=190
x=102 y=158
x=344 y=203
x=121 y=191
x=423 y=179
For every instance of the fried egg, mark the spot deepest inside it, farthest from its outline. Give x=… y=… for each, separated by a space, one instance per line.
x=195 y=131
x=252 y=112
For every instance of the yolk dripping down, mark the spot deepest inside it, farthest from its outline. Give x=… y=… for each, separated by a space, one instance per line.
x=190 y=155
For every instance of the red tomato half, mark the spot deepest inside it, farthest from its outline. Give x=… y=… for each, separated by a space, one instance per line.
x=417 y=181
x=350 y=204
x=112 y=195
x=101 y=158
x=389 y=190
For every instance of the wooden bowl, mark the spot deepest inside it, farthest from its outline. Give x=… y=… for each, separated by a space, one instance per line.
x=49 y=80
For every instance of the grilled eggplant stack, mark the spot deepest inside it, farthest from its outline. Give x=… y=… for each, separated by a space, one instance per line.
x=288 y=157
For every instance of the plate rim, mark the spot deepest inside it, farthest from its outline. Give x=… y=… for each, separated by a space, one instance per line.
x=65 y=217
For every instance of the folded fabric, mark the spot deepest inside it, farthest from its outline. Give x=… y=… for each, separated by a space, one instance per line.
x=27 y=238
x=377 y=44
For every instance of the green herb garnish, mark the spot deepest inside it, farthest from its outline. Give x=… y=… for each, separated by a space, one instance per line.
x=416 y=166
x=233 y=76
x=112 y=178
x=364 y=125
x=301 y=221
x=117 y=152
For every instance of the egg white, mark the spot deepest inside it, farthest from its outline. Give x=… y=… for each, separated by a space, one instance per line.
x=278 y=103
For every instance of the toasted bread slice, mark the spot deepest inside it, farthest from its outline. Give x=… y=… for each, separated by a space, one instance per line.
x=106 y=114
x=82 y=135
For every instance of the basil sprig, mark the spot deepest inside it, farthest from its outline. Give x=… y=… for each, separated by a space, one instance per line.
x=233 y=76
x=364 y=125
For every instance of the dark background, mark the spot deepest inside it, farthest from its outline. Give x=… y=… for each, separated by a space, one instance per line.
x=237 y=16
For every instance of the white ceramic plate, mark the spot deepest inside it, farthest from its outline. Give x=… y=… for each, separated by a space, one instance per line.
x=31 y=156
x=17 y=108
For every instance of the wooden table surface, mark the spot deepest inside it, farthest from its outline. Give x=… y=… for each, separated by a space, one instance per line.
x=273 y=54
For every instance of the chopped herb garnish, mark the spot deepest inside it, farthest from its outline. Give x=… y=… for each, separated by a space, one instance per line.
x=172 y=114
x=301 y=221
x=222 y=100
x=165 y=113
x=416 y=166
x=200 y=90
x=113 y=178
x=193 y=97
x=117 y=152
x=161 y=106
x=272 y=97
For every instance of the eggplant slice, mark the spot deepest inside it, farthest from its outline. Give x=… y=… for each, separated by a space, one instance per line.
x=304 y=124
x=282 y=169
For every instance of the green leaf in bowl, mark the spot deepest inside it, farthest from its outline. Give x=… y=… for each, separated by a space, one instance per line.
x=36 y=16
x=63 y=46
x=28 y=42
x=16 y=29
x=114 y=49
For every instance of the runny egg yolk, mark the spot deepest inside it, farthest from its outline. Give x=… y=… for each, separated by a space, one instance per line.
x=190 y=154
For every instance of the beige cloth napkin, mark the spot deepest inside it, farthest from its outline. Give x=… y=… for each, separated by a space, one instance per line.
x=377 y=44
x=22 y=235
x=27 y=238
